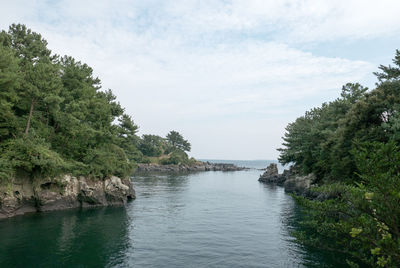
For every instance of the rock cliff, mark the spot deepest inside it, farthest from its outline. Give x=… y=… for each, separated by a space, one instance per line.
x=271 y=175
x=24 y=194
x=290 y=179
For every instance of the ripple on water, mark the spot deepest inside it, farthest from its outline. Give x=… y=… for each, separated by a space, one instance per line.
x=209 y=219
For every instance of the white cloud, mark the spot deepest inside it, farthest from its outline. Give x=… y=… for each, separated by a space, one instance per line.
x=295 y=21
x=190 y=65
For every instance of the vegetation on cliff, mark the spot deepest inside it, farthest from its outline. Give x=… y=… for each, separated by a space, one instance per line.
x=169 y=150
x=352 y=145
x=55 y=118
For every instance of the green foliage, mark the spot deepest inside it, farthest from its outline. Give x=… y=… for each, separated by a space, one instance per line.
x=176 y=157
x=127 y=138
x=145 y=160
x=10 y=79
x=106 y=161
x=312 y=141
x=175 y=141
x=152 y=145
x=54 y=116
x=169 y=150
x=352 y=145
x=33 y=155
x=321 y=140
x=360 y=220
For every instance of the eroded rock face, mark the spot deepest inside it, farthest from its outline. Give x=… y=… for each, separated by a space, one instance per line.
x=91 y=193
x=56 y=194
x=17 y=198
x=300 y=185
x=290 y=179
x=116 y=191
x=25 y=195
x=271 y=175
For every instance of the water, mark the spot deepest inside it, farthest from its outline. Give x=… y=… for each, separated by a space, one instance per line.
x=208 y=219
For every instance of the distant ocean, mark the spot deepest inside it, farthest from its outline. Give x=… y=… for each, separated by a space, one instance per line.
x=258 y=164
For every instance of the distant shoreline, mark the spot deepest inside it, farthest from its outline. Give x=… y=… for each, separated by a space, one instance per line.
x=198 y=166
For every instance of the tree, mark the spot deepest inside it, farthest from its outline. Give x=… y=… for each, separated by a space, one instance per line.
x=175 y=141
x=55 y=118
x=315 y=143
x=10 y=79
x=353 y=145
x=152 y=145
x=127 y=138
x=40 y=84
x=360 y=220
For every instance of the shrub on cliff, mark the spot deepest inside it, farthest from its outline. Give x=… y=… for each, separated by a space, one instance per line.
x=152 y=145
x=360 y=220
x=175 y=158
x=33 y=155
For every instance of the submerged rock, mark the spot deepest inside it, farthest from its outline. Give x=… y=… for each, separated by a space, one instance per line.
x=23 y=194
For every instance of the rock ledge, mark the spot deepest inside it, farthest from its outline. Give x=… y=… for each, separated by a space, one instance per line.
x=290 y=179
x=24 y=194
x=200 y=166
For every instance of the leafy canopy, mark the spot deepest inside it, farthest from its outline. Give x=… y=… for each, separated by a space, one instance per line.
x=353 y=145
x=55 y=118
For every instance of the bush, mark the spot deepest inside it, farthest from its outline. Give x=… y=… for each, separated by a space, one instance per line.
x=32 y=155
x=361 y=220
x=108 y=160
x=175 y=158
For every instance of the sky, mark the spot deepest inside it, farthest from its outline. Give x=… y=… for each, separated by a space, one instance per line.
x=228 y=75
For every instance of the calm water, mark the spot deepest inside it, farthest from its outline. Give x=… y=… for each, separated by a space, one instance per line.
x=209 y=219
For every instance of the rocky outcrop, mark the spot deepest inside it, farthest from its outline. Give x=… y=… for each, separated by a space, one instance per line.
x=300 y=185
x=290 y=179
x=23 y=194
x=200 y=166
x=271 y=175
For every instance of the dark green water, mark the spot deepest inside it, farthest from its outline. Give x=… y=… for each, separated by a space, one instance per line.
x=209 y=219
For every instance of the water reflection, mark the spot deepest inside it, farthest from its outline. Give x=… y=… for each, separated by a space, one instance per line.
x=147 y=184
x=77 y=238
x=199 y=220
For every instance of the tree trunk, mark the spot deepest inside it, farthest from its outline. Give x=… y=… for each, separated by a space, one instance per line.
x=28 y=124
x=48 y=116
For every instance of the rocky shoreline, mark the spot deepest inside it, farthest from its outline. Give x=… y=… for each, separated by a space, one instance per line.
x=25 y=195
x=200 y=166
x=290 y=180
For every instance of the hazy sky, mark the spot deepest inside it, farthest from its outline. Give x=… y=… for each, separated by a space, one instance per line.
x=228 y=75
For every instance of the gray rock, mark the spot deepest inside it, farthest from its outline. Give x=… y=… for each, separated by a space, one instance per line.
x=300 y=185
x=200 y=166
x=23 y=195
x=290 y=179
x=271 y=175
